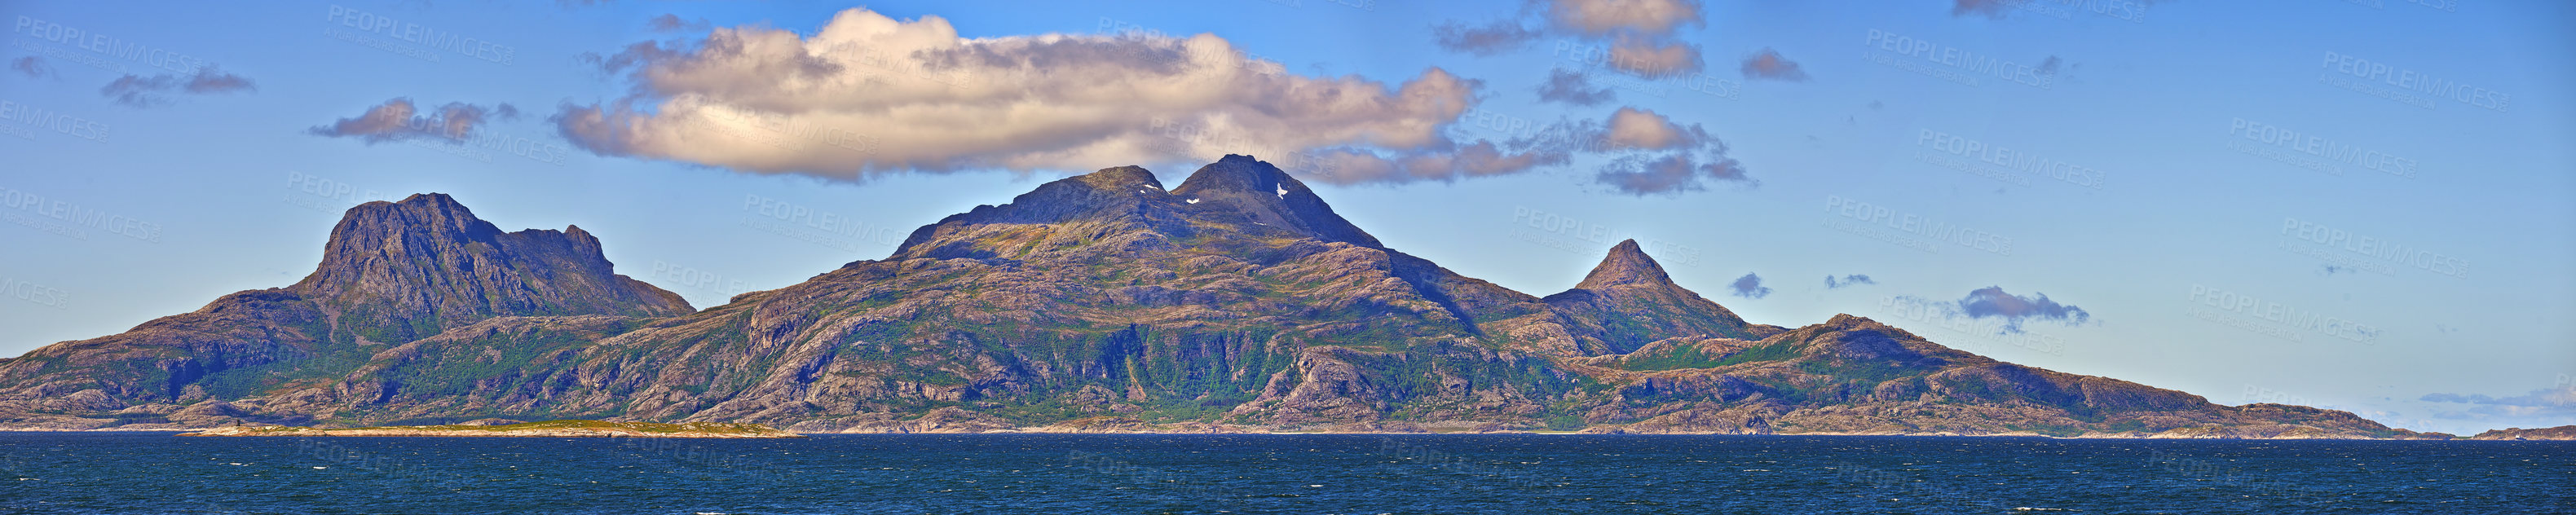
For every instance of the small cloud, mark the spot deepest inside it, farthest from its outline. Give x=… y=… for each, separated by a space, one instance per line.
x=140 y=91
x=1749 y=286
x=2542 y=398
x=1767 y=64
x=1573 y=87
x=1483 y=41
x=398 y=119
x=1672 y=173
x=1992 y=301
x=33 y=66
x=2549 y=403
x=1989 y=8
x=1654 y=58
x=673 y=23
x=1652 y=17
x=1650 y=154
x=1847 y=281
x=1642 y=128
x=1640 y=34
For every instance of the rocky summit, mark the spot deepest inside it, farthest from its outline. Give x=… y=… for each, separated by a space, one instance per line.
x=393 y=273
x=1236 y=302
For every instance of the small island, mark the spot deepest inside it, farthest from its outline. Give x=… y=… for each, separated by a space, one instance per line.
x=2516 y=433
x=547 y=429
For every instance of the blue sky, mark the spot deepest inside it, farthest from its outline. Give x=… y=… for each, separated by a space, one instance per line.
x=2418 y=269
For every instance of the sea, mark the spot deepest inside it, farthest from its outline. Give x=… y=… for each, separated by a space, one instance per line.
x=152 y=473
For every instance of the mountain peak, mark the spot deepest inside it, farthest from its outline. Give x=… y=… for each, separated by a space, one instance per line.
x=1268 y=196
x=1627 y=264
x=426 y=263
x=1121 y=177
x=1628 y=301
x=1241 y=173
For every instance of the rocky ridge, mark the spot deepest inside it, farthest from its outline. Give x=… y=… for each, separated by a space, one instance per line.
x=2516 y=433
x=548 y=429
x=1238 y=301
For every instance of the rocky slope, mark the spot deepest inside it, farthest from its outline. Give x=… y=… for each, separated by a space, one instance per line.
x=392 y=273
x=1238 y=301
x=2516 y=433
x=1627 y=301
x=548 y=429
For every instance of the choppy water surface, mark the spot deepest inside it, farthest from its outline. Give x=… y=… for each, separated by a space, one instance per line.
x=1318 y=474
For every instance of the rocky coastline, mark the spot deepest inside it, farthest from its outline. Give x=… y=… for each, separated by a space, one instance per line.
x=549 y=429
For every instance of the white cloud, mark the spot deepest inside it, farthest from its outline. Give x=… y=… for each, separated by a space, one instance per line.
x=869 y=94
x=1639 y=33
x=1655 y=17
x=1639 y=128
x=398 y=119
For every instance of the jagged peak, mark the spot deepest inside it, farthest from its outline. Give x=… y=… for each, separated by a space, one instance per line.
x=1627 y=264
x=1268 y=196
x=1847 y=320
x=1242 y=173
x=1120 y=177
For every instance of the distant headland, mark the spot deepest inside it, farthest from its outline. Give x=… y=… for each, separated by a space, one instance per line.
x=547 y=429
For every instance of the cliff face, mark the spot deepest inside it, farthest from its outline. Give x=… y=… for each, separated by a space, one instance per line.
x=396 y=272
x=1237 y=301
x=392 y=272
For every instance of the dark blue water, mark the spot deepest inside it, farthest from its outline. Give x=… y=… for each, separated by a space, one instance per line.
x=1310 y=474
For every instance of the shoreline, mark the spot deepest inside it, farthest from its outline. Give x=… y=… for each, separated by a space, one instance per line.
x=534 y=433
x=546 y=429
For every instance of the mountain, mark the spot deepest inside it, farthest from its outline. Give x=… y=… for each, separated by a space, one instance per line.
x=1238 y=301
x=2516 y=433
x=392 y=273
x=1628 y=302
